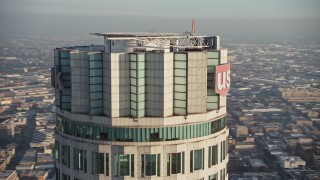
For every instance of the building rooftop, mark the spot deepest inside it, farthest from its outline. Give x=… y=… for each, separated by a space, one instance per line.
x=6 y=173
x=161 y=39
x=143 y=34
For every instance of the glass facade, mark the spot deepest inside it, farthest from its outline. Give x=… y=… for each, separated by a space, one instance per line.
x=212 y=97
x=137 y=84
x=65 y=77
x=96 y=132
x=180 y=83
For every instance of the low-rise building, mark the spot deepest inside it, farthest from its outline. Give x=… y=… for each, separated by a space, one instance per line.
x=292 y=162
x=8 y=175
x=7 y=130
x=241 y=130
x=34 y=175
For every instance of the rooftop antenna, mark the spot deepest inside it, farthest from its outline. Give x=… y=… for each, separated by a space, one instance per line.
x=193 y=26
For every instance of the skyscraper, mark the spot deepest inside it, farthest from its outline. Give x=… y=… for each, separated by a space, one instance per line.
x=143 y=105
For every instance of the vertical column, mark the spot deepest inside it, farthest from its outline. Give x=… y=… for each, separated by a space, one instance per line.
x=80 y=82
x=95 y=84
x=180 y=84
x=56 y=71
x=64 y=70
x=197 y=90
x=107 y=84
x=212 y=97
x=168 y=84
x=137 y=87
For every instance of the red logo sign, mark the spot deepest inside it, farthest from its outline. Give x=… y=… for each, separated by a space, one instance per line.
x=222 y=79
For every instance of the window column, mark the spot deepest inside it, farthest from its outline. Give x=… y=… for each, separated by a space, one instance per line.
x=180 y=83
x=212 y=97
x=65 y=92
x=137 y=81
x=95 y=84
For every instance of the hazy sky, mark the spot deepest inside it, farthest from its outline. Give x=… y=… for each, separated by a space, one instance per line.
x=283 y=18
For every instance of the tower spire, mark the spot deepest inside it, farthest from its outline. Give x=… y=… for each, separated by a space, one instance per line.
x=193 y=26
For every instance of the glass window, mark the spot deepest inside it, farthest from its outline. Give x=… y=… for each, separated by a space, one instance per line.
x=96 y=64
x=213 y=62
x=213 y=177
x=168 y=164
x=180 y=111
x=183 y=161
x=80 y=159
x=191 y=161
x=133 y=57
x=57 y=151
x=180 y=104
x=142 y=165
x=150 y=164
x=175 y=163
x=180 y=57
x=65 y=177
x=180 y=72
x=213 y=155
x=57 y=174
x=133 y=66
x=158 y=165
x=89 y=131
x=180 y=64
x=132 y=165
x=98 y=163
x=213 y=54
x=222 y=174
x=223 y=152
x=180 y=96
x=65 y=155
x=180 y=88
x=122 y=162
x=198 y=159
x=107 y=164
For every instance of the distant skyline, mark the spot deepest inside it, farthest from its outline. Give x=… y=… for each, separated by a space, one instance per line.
x=230 y=18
